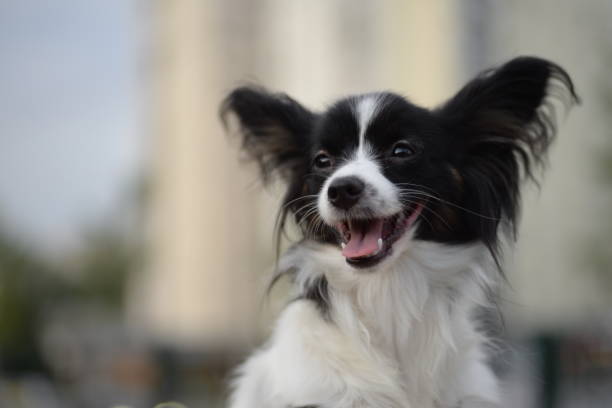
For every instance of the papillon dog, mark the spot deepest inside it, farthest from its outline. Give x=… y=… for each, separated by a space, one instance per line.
x=404 y=213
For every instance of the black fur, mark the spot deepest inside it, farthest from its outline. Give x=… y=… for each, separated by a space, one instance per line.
x=471 y=153
x=317 y=292
x=276 y=133
x=505 y=126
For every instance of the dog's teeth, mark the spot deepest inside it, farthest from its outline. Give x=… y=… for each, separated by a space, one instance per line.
x=380 y=243
x=343 y=245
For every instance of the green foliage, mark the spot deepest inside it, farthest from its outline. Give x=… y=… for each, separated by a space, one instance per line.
x=103 y=266
x=170 y=405
x=31 y=287
x=27 y=287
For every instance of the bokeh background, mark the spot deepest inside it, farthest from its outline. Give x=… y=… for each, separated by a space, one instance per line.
x=135 y=246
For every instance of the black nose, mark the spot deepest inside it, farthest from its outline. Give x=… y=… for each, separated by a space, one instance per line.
x=345 y=192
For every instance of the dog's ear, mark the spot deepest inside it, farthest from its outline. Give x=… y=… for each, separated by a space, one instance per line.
x=274 y=129
x=503 y=122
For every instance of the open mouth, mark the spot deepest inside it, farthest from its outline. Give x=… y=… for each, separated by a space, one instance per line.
x=366 y=242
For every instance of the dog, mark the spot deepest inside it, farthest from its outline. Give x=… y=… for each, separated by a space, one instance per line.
x=404 y=215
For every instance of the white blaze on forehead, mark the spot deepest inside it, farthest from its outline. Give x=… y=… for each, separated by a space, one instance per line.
x=365 y=110
x=381 y=196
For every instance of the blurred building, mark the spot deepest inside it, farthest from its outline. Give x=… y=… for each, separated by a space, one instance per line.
x=211 y=222
x=70 y=232
x=554 y=282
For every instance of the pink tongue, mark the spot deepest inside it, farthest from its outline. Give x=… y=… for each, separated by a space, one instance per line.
x=364 y=243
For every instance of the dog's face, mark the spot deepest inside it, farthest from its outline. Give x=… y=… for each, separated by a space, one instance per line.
x=376 y=162
x=374 y=171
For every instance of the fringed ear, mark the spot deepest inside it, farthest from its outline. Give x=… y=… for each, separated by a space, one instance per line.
x=274 y=129
x=503 y=122
x=275 y=132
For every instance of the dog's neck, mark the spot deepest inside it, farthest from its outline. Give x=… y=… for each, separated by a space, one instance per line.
x=415 y=313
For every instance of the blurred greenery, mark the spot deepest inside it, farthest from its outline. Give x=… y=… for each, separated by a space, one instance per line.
x=102 y=267
x=27 y=286
x=32 y=286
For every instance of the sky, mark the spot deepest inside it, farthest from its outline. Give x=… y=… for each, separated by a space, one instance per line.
x=70 y=114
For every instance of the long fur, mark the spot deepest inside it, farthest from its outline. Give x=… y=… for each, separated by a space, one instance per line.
x=394 y=326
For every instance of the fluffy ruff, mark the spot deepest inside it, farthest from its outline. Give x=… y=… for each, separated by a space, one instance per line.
x=389 y=339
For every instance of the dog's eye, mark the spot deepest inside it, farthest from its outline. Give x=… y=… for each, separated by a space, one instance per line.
x=322 y=160
x=403 y=150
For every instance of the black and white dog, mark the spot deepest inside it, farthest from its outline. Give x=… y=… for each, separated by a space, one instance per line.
x=404 y=212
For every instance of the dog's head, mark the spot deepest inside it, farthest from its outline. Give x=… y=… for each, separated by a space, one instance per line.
x=374 y=171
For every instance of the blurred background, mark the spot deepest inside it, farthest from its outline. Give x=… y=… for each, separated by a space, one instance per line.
x=135 y=247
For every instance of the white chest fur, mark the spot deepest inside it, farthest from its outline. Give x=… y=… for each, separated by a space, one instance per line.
x=400 y=337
